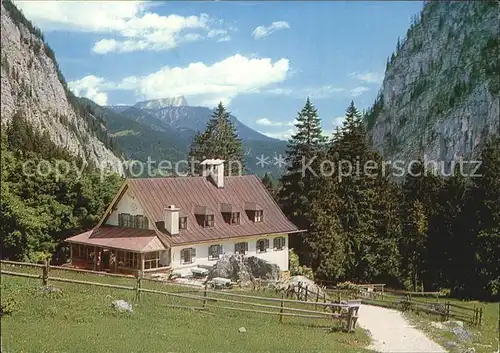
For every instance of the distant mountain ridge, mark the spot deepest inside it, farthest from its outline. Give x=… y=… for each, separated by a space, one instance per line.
x=162 y=103
x=177 y=113
x=165 y=128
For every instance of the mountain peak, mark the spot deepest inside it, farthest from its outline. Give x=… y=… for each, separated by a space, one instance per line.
x=162 y=103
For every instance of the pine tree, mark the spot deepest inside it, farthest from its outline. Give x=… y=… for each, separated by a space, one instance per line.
x=270 y=184
x=305 y=150
x=219 y=140
x=485 y=199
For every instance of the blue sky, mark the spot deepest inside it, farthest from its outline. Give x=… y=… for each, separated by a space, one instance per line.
x=262 y=59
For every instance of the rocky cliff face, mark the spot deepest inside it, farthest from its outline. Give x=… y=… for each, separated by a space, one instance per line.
x=440 y=94
x=33 y=86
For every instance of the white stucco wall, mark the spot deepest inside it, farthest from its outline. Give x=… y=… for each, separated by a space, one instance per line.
x=126 y=205
x=278 y=257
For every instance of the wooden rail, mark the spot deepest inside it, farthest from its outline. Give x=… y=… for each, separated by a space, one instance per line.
x=208 y=299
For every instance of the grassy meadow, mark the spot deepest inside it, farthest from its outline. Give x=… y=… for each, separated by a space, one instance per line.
x=81 y=319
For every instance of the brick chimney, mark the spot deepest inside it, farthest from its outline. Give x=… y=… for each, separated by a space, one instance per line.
x=172 y=219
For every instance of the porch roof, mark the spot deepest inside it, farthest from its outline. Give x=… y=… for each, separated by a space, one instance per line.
x=129 y=239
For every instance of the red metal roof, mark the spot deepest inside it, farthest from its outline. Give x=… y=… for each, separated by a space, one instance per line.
x=132 y=239
x=155 y=194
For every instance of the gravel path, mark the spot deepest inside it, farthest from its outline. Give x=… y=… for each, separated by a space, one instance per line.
x=392 y=333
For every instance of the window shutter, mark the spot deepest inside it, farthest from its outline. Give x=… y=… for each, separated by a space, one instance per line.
x=120 y=220
x=267 y=243
x=220 y=250
x=193 y=253
x=245 y=247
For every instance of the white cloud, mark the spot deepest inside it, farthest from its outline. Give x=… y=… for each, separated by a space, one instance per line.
x=129 y=25
x=368 y=77
x=91 y=87
x=318 y=92
x=267 y=122
x=202 y=84
x=331 y=124
x=357 y=91
x=264 y=31
x=280 y=91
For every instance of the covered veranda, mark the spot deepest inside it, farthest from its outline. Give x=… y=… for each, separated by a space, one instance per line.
x=111 y=249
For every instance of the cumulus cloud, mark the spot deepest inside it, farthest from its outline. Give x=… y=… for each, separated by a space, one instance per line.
x=317 y=92
x=128 y=25
x=91 y=87
x=267 y=122
x=263 y=31
x=203 y=84
x=357 y=91
x=368 y=77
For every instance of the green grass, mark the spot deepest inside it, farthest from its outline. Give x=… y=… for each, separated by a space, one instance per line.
x=485 y=337
x=81 y=319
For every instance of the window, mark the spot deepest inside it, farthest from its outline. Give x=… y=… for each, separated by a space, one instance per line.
x=183 y=223
x=235 y=218
x=214 y=251
x=137 y=221
x=279 y=243
x=128 y=259
x=209 y=220
x=258 y=216
x=124 y=220
x=151 y=260
x=188 y=255
x=83 y=252
x=241 y=248
x=262 y=245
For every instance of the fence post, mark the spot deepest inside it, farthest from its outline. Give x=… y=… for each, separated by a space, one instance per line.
x=349 y=319
x=138 y=286
x=307 y=290
x=205 y=296
x=299 y=286
x=45 y=274
x=282 y=306
x=317 y=298
x=324 y=301
x=447 y=310
x=480 y=316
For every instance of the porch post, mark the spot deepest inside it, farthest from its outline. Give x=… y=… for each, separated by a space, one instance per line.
x=142 y=262
x=71 y=253
x=95 y=258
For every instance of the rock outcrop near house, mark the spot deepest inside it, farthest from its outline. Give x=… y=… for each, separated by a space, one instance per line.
x=33 y=87
x=440 y=94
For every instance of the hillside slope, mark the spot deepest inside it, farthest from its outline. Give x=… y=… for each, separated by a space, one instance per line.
x=440 y=94
x=33 y=87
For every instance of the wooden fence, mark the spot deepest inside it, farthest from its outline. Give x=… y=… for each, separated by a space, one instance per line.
x=347 y=314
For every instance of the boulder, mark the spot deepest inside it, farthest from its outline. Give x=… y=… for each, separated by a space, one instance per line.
x=296 y=286
x=245 y=270
x=122 y=306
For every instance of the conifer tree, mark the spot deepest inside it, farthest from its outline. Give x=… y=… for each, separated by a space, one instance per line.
x=304 y=154
x=219 y=140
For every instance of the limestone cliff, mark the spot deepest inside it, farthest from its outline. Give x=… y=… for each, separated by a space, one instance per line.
x=440 y=94
x=33 y=86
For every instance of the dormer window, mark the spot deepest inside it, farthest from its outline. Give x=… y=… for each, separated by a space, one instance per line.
x=230 y=213
x=183 y=222
x=254 y=211
x=204 y=216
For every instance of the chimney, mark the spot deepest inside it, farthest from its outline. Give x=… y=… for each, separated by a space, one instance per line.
x=214 y=169
x=172 y=219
